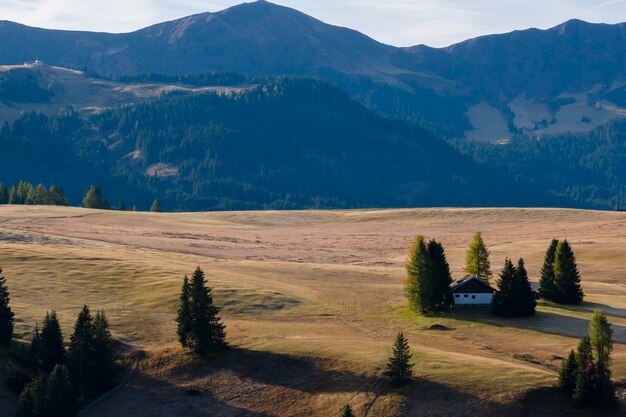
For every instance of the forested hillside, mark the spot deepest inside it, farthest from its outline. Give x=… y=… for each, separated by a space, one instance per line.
x=587 y=168
x=287 y=143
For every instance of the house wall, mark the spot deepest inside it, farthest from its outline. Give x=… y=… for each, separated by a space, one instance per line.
x=472 y=299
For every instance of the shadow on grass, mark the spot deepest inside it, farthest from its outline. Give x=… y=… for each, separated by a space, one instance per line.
x=264 y=384
x=543 y=321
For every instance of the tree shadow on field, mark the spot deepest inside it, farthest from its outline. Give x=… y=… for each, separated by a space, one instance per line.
x=543 y=321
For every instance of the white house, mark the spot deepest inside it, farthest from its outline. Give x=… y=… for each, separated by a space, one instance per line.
x=471 y=291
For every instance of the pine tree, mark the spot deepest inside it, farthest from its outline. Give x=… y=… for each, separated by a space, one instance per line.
x=503 y=301
x=207 y=336
x=34 y=351
x=439 y=274
x=59 y=398
x=566 y=275
x=399 y=368
x=416 y=269
x=56 y=196
x=547 y=288
x=601 y=339
x=31 y=402
x=122 y=205
x=104 y=355
x=7 y=317
x=525 y=302
x=155 y=207
x=184 y=319
x=567 y=374
x=93 y=199
x=4 y=194
x=477 y=259
x=52 y=350
x=81 y=354
x=585 y=373
x=346 y=411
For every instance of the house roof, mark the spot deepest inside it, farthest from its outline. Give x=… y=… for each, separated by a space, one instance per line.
x=475 y=281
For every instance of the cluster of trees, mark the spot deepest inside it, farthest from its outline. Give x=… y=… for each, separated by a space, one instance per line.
x=585 y=375
x=64 y=379
x=60 y=379
x=199 y=326
x=24 y=193
x=428 y=279
x=560 y=279
x=94 y=199
x=514 y=297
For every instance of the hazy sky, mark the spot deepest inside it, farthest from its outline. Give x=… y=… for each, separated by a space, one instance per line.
x=396 y=22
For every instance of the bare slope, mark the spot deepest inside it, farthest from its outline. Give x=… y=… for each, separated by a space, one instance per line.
x=312 y=301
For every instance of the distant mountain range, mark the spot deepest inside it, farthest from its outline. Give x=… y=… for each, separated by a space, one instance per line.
x=207 y=112
x=488 y=88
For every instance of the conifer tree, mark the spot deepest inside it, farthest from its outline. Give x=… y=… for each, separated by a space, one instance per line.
x=4 y=194
x=346 y=411
x=59 y=398
x=207 y=336
x=567 y=374
x=566 y=275
x=601 y=338
x=477 y=259
x=183 y=318
x=415 y=283
x=56 y=196
x=34 y=351
x=585 y=373
x=439 y=274
x=52 y=350
x=93 y=199
x=547 y=288
x=399 y=368
x=155 y=207
x=122 y=205
x=81 y=354
x=31 y=402
x=104 y=353
x=7 y=317
x=525 y=302
x=503 y=301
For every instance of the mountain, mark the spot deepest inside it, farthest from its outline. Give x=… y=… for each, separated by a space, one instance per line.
x=283 y=144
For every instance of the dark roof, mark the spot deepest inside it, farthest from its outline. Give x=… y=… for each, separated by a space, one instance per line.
x=535 y=286
x=470 y=279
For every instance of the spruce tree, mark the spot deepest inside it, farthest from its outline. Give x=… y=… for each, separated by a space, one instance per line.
x=52 y=350
x=31 y=402
x=183 y=318
x=503 y=301
x=93 y=199
x=81 y=354
x=567 y=374
x=601 y=338
x=566 y=275
x=585 y=374
x=547 y=288
x=525 y=302
x=477 y=259
x=399 y=368
x=59 y=398
x=7 y=318
x=415 y=283
x=155 y=207
x=439 y=274
x=56 y=196
x=104 y=353
x=346 y=411
x=34 y=351
x=4 y=194
x=207 y=336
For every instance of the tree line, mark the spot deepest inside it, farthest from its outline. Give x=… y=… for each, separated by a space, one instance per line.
x=25 y=193
x=53 y=380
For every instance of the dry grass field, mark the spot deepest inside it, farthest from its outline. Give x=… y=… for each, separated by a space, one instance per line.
x=312 y=301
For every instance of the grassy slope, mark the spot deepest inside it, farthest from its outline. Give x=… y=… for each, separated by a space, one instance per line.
x=324 y=286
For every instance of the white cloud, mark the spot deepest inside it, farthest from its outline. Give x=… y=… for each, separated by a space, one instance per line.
x=398 y=22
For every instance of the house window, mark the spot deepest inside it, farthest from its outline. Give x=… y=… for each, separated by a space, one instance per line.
x=473 y=297
x=465 y=295
x=457 y=295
